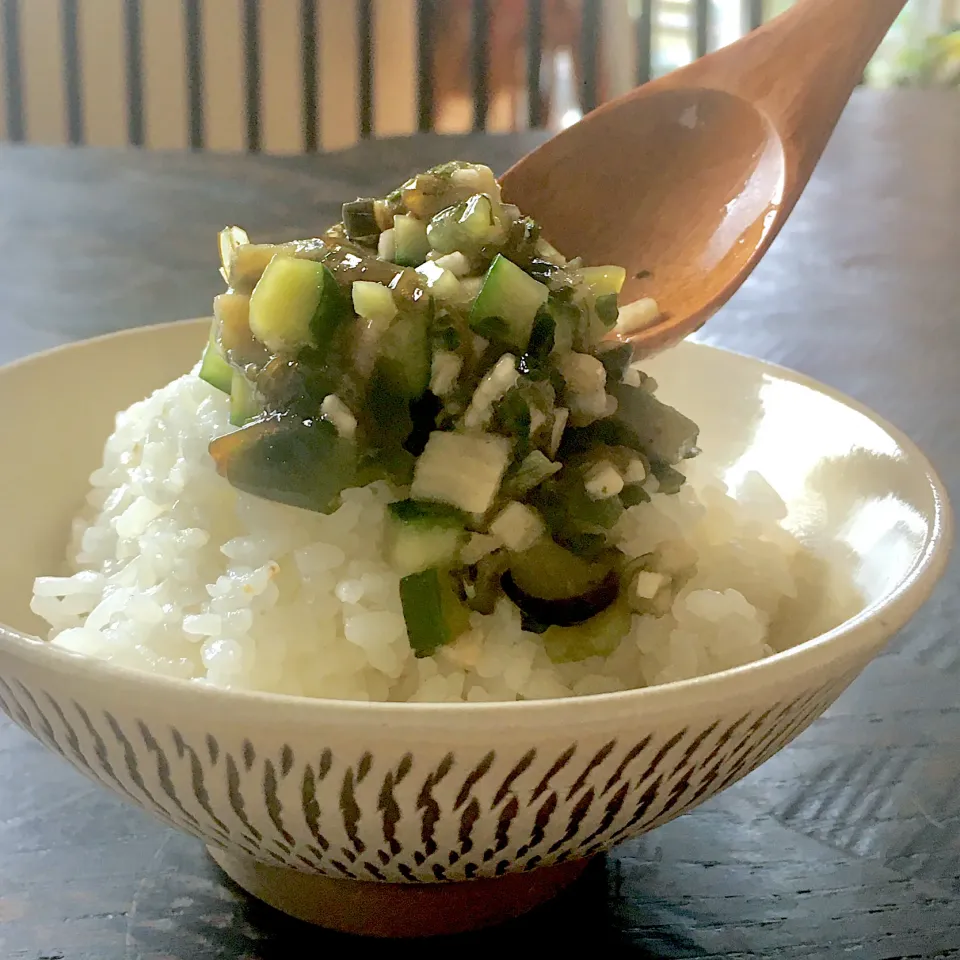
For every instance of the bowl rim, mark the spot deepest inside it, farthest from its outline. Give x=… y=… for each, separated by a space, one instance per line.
x=887 y=615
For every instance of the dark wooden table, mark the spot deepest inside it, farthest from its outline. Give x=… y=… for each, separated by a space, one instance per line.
x=847 y=844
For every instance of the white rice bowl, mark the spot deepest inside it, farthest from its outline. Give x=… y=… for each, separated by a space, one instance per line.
x=173 y=571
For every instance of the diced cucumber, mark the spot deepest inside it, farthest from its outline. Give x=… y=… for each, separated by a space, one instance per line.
x=244 y=262
x=425 y=514
x=373 y=301
x=440 y=282
x=423 y=535
x=412 y=550
x=465 y=226
x=410 y=241
x=296 y=303
x=214 y=367
x=512 y=296
x=432 y=611
x=604 y=280
x=250 y=260
x=461 y=469
x=332 y=311
x=404 y=354
x=244 y=403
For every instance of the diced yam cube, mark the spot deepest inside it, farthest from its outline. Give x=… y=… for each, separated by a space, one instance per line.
x=517 y=526
x=461 y=469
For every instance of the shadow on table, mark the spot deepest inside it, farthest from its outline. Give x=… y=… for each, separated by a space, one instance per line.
x=586 y=916
x=188 y=910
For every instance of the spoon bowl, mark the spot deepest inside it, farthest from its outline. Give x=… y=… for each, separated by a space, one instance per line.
x=685 y=217
x=686 y=181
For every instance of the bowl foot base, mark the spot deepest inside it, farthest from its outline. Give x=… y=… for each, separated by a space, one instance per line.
x=397 y=909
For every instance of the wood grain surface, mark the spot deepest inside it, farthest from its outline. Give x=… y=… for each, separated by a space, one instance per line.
x=846 y=844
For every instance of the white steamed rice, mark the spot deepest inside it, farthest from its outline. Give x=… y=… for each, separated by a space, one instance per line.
x=174 y=571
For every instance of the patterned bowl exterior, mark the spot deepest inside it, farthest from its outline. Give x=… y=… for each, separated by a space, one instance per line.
x=417 y=801
x=429 y=792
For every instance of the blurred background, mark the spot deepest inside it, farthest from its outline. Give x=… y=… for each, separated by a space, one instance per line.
x=293 y=76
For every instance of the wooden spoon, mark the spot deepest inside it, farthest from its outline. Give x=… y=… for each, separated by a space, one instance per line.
x=686 y=181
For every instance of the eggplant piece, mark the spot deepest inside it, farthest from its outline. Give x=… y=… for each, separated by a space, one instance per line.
x=548 y=571
x=554 y=586
x=360 y=219
x=348 y=263
x=597 y=637
x=485 y=578
x=567 y=611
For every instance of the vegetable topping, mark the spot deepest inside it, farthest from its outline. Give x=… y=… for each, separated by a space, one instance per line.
x=433 y=339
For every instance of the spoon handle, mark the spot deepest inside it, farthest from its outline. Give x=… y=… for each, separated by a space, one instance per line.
x=800 y=68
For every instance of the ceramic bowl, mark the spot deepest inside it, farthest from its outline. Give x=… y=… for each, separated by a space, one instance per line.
x=361 y=816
